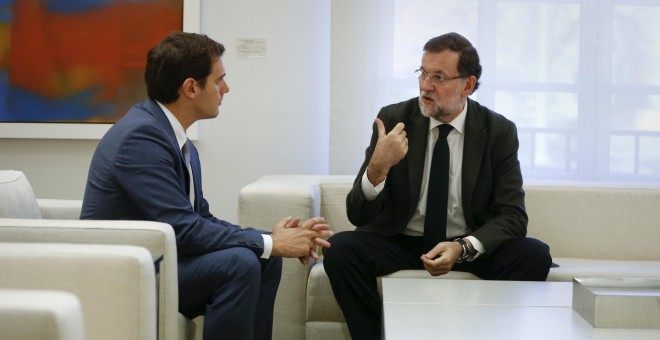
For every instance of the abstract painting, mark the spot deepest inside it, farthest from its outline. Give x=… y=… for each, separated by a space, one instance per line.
x=78 y=61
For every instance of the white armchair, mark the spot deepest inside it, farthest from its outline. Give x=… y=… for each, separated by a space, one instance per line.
x=24 y=218
x=40 y=314
x=157 y=238
x=116 y=284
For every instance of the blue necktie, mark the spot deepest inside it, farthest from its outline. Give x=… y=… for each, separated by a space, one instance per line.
x=435 y=222
x=191 y=183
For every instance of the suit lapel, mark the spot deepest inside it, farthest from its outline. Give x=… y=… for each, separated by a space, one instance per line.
x=154 y=109
x=473 y=150
x=417 y=133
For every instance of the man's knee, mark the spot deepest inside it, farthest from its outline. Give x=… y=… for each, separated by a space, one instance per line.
x=342 y=246
x=538 y=252
x=340 y=240
x=535 y=259
x=245 y=265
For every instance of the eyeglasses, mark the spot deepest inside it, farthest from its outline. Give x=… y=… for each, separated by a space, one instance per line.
x=436 y=78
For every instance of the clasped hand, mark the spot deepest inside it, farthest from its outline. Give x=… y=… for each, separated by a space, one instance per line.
x=294 y=239
x=440 y=259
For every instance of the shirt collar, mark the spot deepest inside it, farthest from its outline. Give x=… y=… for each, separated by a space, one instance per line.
x=458 y=123
x=179 y=133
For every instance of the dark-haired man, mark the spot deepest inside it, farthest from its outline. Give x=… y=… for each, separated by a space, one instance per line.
x=145 y=168
x=412 y=211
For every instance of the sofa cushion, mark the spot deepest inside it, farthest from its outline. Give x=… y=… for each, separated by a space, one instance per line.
x=17 y=199
x=595 y=223
x=321 y=303
x=333 y=205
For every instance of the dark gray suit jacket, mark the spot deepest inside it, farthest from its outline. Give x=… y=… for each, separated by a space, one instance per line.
x=492 y=193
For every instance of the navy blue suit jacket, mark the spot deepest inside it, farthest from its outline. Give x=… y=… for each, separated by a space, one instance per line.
x=492 y=195
x=138 y=173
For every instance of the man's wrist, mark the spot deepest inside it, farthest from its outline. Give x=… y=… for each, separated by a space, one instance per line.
x=369 y=190
x=268 y=246
x=466 y=250
x=375 y=177
x=476 y=247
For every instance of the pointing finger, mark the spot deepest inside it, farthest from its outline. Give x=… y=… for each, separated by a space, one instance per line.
x=398 y=128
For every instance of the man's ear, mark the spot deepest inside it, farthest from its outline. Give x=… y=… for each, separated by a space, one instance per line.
x=470 y=83
x=188 y=87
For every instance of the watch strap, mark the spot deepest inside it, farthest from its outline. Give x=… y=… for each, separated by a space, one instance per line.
x=466 y=250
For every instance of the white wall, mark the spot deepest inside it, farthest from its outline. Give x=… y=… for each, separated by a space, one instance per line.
x=352 y=93
x=274 y=120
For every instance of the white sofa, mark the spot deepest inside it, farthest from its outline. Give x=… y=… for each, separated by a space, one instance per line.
x=591 y=231
x=116 y=284
x=24 y=218
x=27 y=314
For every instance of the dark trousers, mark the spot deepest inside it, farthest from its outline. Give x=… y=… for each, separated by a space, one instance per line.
x=356 y=258
x=233 y=289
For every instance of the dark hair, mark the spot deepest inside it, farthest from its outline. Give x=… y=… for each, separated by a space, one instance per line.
x=468 y=62
x=179 y=56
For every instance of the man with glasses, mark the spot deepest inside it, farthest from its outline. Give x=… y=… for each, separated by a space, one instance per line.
x=440 y=189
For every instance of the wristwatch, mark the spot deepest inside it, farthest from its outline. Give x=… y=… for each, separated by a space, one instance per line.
x=466 y=250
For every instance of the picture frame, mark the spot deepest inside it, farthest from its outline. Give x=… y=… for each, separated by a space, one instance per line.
x=36 y=130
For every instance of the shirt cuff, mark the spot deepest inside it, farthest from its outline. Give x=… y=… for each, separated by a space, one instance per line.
x=478 y=246
x=370 y=192
x=268 y=246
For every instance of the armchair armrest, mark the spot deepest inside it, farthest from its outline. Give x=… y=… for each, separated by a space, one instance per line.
x=270 y=198
x=115 y=283
x=40 y=314
x=59 y=209
x=262 y=204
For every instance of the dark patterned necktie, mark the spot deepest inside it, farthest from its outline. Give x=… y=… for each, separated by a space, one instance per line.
x=435 y=222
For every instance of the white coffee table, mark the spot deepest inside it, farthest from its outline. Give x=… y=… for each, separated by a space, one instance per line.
x=476 y=309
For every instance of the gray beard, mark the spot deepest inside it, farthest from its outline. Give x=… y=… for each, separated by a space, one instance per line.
x=428 y=112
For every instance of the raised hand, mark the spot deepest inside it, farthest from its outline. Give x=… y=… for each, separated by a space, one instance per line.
x=390 y=149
